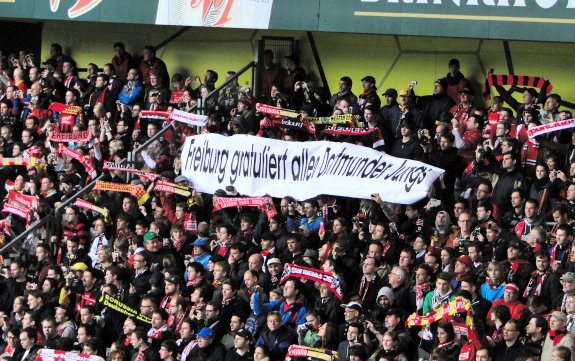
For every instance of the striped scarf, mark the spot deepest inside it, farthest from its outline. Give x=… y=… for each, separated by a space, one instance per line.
x=514 y=80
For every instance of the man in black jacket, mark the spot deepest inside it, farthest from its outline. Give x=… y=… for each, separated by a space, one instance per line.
x=443 y=155
x=432 y=106
x=277 y=338
x=12 y=285
x=28 y=338
x=242 y=347
x=140 y=279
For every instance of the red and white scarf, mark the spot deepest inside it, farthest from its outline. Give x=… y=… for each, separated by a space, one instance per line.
x=535 y=277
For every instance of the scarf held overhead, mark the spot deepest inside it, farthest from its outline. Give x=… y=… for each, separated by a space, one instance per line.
x=84 y=160
x=223 y=202
x=80 y=203
x=29 y=202
x=125 y=168
x=82 y=136
x=312 y=274
x=458 y=305
x=514 y=80
x=138 y=192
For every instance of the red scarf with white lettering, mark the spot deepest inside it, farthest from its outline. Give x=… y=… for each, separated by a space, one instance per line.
x=84 y=160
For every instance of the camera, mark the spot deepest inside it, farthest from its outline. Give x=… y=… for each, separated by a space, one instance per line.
x=31 y=278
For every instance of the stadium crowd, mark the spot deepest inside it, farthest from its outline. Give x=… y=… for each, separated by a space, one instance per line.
x=159 y=275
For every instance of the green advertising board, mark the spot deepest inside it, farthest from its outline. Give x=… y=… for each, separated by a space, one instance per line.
x=543 y=20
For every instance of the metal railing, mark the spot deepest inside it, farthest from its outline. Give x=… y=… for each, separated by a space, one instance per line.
x=53 y=219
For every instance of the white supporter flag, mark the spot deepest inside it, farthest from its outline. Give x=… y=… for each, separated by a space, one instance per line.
x=189 y=118
x=260 y=166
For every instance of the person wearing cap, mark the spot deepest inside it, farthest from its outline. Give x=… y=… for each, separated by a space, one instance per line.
x=432 y=106
x=463 y=267
x=352 y=313
x=152 y=248
x=344 y=92
x=511 y=301
x=172 y=289
x=455 y=80
x=271 y=280
x=530 y=98
x=201 y=248
x=295 y=73
x=390 y=98
x=464 y=108
x=557 y=336
x=369 y=94
x=543 y=282
x=403 y=111
x=568 y=288
x=242 y=350
x=268 y=248
x=517 y=269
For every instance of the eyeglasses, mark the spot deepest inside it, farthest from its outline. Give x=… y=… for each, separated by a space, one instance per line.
x=508 y=330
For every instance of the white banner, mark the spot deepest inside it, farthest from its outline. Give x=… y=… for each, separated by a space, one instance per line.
x=251 y=14
x=550 y=127
x=189 y=118
x=260 y=166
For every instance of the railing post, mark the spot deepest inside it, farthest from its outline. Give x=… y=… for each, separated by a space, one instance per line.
x=129 y=159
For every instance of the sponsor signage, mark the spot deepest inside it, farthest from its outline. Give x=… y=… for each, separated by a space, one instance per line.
x=545 y=20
